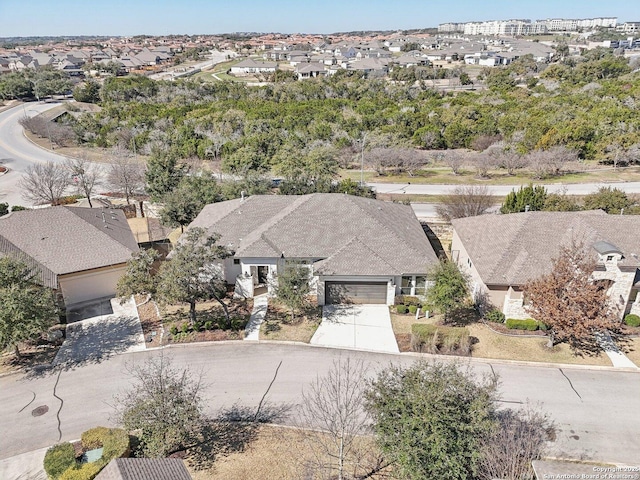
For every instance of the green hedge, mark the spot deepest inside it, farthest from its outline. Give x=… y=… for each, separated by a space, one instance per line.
x=58 y=459
x=408 y=300
x=402 y=309
x=114 y=441
x=413 y=309
x=86 y=471
x=438 y=339
x=528 y=324
x=495 y=316
x=632 y=320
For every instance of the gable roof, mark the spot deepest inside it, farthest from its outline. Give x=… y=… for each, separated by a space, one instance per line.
x=350 y=235
x=63 y=239
x=145 y=469
x=515 y=248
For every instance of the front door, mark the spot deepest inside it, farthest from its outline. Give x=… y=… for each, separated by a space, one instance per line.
x=263 y=274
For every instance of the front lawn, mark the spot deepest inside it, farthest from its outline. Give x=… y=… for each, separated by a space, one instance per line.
x=279 y=325
x=211 y=324
x=489 y=344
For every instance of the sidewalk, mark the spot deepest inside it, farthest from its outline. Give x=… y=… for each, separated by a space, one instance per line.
x=618 y=359
x=252 y=330
x=26 y=466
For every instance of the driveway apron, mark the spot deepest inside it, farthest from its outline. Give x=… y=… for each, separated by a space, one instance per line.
x=362 y=327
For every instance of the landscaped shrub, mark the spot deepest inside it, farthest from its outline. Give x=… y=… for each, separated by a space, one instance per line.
x=116 y=444
x=439 y=339
x=185 y=327
x=114 y=441
x=58 y=459
x=542 y=326
x=173 y=330
x=409 y=300
x=208 y=325
x=402 y=309
x=94 y=438
x=87 y=471
x=632 y=320
x=413 y=309
x=495 y=316
x=528 y=324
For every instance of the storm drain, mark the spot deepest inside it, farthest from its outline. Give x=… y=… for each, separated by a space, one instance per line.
x=39 y=411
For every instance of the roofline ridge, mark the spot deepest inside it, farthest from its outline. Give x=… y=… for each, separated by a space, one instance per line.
x=506 y=252
x=71 y=210
x=385 y=226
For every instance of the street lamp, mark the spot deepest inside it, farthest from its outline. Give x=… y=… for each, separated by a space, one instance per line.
x=364 y=139
x=46 y=124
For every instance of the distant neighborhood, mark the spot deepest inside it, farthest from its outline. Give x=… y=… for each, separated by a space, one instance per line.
x=488 y=44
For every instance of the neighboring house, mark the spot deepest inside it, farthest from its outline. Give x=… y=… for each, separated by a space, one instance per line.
x=80 y=252
x=145 y=469
x=249 y=66
x=310 y=70
x=359 y=250
x=501 y=253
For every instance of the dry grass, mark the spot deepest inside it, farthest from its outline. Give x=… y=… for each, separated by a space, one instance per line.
x=634 y=350
x=271 y=452
x=492 y=345
x=278 y=324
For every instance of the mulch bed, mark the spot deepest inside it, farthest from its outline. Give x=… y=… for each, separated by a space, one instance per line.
x=150 y=321
x=404 y=342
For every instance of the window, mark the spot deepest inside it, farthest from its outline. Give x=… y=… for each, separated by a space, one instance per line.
x=421 y=285
x=236 y=261
x=609 y=258
x=407 y=283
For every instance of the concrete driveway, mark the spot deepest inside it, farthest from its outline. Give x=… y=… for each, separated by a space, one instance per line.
x=100 y=330
x=363 y=327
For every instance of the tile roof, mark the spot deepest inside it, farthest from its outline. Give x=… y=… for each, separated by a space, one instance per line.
x=68 y=239
x=351 y=234
x=512 y=249
x=145 y=469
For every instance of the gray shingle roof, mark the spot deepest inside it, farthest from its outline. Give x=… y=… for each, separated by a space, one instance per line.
x=353 y=235
x=512 y=249
x=68 y=239
x=145 y=469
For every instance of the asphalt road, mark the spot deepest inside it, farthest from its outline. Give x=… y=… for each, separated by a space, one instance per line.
x=595 y=410
x=570 y=188
x=17 y=153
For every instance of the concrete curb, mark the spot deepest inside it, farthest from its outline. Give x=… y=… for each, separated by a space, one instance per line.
x=565 y=366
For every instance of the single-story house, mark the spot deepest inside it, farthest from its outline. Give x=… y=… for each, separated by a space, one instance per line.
x=250 y=66
x=79 y=252
x=358 y=250
x=501 y=253
x=145 y=469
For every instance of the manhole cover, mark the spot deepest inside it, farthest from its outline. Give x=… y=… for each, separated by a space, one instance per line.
x=41 y=410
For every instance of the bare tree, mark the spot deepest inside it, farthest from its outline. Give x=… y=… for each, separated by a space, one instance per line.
x=505 y=155
x=44 y=183
x=84 y=176
x=482 y=142
x=551 y=162
x=332 y=412
x=126 y=175
x=466 y=201
x=519 y=437
x=483 y=162
x=454 y=161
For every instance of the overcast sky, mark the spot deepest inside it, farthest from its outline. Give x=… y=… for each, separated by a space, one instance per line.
x=159 y=17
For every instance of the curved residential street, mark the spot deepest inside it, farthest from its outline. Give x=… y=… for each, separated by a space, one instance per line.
x=17 y=152
x=595 y=410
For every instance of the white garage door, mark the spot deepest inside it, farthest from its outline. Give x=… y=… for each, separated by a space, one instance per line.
x=355 y=292
x=84 y=287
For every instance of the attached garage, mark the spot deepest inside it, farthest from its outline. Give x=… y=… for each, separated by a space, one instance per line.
x=355 y=292
x=84 y=286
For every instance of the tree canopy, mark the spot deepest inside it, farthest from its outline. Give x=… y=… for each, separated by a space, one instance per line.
x=27 y=309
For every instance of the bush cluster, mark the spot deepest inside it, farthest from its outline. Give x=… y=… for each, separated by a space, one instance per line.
x=438 y=339
x=60 y=462
x=632 y=320
x=58 y=459
x=495 y=316
x=528 y=324
x=237 y=323
x=407 y=304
